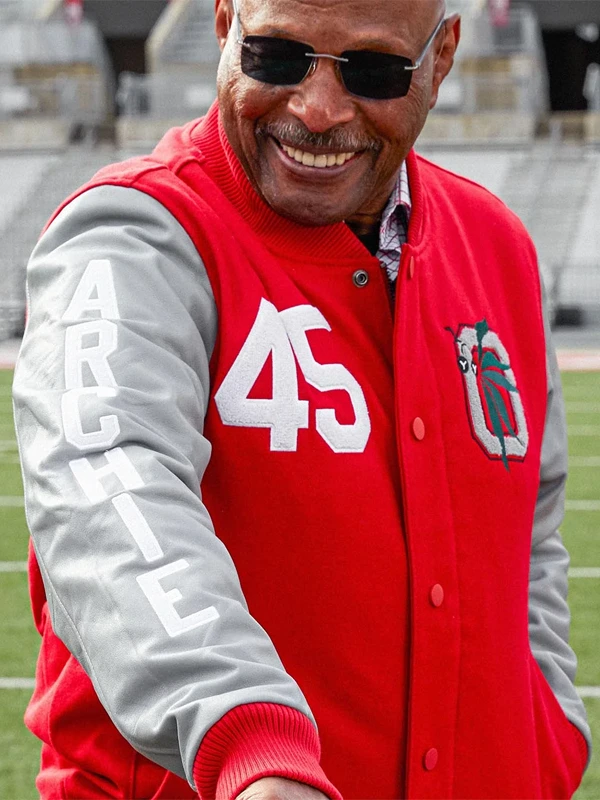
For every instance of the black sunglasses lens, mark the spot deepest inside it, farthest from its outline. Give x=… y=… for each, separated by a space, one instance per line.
x=278 y=61
x=378 y=76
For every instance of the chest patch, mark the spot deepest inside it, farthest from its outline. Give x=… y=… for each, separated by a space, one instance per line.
x=494 y=404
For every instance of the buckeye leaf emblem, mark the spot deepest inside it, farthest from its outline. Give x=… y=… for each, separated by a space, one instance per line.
x=496 y=410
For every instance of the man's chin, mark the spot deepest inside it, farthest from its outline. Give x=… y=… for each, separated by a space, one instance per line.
x=304 y=212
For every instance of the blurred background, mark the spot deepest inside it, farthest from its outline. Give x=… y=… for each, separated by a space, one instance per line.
x=87 y=82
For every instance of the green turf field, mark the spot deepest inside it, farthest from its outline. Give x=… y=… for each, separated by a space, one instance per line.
x=19 y=641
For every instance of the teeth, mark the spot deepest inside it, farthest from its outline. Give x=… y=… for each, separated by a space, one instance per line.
x=321 y=161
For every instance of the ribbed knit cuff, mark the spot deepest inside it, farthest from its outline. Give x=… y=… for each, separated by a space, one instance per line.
x=259 y=740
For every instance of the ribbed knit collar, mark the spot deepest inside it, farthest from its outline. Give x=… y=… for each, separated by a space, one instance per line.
x=320 y=243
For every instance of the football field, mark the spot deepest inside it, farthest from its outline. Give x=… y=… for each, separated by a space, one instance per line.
x=19 y=641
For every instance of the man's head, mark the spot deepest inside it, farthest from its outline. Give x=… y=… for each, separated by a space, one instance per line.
x=283 y=134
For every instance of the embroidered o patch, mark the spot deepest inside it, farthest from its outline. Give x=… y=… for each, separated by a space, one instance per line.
x=495 y=407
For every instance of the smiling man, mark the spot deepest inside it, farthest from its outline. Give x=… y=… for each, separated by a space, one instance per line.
x=294 y=448
x=365 y=106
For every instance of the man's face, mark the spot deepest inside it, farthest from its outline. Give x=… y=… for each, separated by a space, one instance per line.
x=267 y=125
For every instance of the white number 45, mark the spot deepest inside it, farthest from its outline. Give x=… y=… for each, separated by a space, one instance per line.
x=281 y=335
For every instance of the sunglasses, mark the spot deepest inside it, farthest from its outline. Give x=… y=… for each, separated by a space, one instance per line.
x=365 y=73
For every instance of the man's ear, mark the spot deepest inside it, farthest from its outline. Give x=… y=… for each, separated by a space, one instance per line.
x=445 y=58
x=223 y=20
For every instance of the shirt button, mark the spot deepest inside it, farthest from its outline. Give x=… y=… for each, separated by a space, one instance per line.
x=430 y=759
x=418 y=429
x=360 y=278
x=436 y=595
x=411 y=268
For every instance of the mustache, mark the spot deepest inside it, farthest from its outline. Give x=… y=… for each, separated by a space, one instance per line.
x=335 y=139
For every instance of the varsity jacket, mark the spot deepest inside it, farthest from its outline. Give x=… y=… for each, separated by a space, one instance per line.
x=280 y=528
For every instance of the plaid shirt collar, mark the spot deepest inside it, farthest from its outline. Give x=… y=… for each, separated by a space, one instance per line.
x=394 y=225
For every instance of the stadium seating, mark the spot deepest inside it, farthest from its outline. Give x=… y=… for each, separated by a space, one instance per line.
x=31 y=187
x=181 y=51
x=54 y=77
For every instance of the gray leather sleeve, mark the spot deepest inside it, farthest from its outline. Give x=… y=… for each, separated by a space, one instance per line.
x=549 y=618
x=110 y=396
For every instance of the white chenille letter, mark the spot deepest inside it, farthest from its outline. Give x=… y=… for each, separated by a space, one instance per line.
x=118 y=464
x=95 y=293
x=351 y=438
x=95 y=355
x=162 y=602
x=71 y=418
x=284 y=413
x=137 y=526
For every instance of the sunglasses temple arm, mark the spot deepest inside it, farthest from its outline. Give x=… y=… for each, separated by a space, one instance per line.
x=428 y=44
x=236 y=25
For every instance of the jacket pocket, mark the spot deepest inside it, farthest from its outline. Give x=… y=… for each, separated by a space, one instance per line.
x=562 y=750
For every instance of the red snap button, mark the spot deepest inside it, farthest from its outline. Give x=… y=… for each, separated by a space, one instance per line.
x=430 y=759
x=436 y=595
x=418 y=429
x=411 y=268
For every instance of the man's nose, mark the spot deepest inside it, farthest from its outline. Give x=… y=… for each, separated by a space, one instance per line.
x=321 y=101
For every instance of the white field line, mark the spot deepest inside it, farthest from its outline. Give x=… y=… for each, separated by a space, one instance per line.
x=29 y=683
x=584 y=461
x=574 y=572
x=17 y=683
x=8 y=501
x=584 y=572
x=588 y=691
x=582 y=505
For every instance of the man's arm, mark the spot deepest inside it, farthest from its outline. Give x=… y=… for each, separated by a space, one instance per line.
x=549 y=617
x=111 y=390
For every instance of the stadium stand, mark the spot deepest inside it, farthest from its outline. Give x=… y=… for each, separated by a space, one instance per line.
x=33 y=186
x=484 y=129
x=498 y=91
x=591 y=90
x=554 y=187
x=181 y=51
x=54 y=78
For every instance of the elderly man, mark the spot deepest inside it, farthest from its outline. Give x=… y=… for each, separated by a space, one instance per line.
x=293 y=448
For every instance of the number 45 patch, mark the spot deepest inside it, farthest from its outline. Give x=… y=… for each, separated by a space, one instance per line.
x=282 y=336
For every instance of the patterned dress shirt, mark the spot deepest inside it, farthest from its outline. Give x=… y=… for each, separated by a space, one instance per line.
x=394 y=226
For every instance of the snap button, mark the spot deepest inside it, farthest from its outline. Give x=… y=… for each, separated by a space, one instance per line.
x=411 y=268
x=418 y=429
x=436 y=595
x=430 y=759
x=360 y=278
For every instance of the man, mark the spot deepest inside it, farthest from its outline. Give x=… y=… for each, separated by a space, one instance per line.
x=293 y=448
